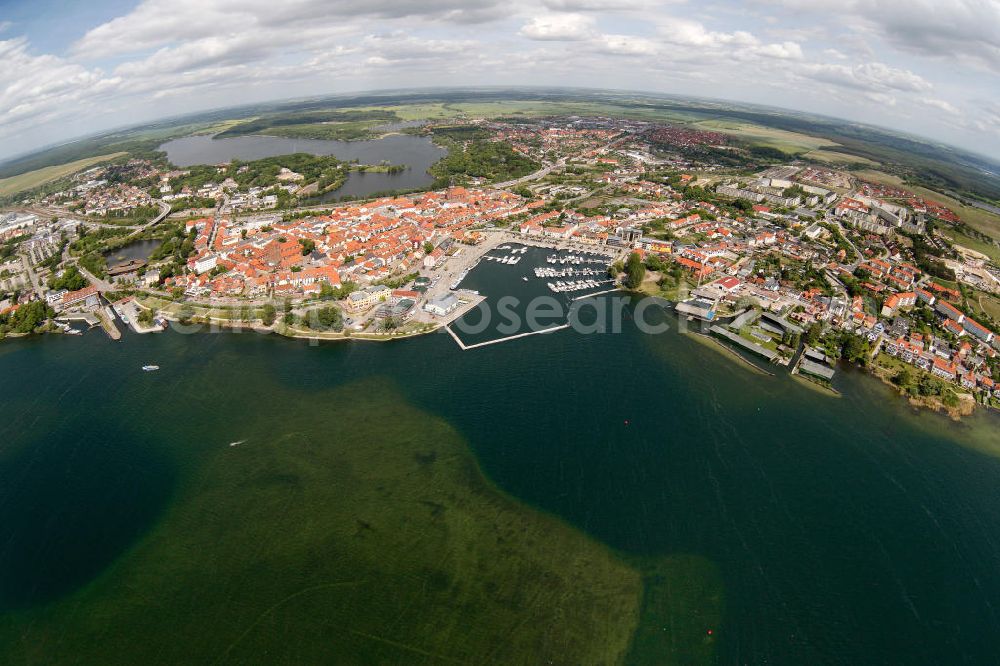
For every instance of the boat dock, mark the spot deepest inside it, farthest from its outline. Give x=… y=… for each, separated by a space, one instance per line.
x=465 y=347
x=107 y=318
x=743 y=342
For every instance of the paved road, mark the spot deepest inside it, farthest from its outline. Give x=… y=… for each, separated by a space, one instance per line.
x=102 y=285
x=541 y=173
x=546 y=170
x=32 y=276
x=164 y=211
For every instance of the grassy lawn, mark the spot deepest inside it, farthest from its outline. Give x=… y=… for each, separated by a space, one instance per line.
x=990 y=250
x=983 y=302
x=766 y=340
x=173 y=309
x=364 y=533
x=32 y=179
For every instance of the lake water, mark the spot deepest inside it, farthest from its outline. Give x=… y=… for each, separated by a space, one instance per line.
x=415 y=152
x=247 y=499
x=498 y=281
x=137 y=251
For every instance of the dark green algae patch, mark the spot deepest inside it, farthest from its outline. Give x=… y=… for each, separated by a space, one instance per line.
x=363 y=532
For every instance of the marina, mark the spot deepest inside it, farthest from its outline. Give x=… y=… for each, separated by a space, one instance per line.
x=577 y=259
x=577 y=285
x=538 y=270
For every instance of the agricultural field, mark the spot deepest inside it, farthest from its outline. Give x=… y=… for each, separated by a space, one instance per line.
x=791 y=143
x=834 y=157
x=549 y=108
x=38 y=177
x=415 y=111
x=222 y=126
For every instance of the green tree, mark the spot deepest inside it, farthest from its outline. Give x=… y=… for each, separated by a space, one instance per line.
x=855 y=349
x=30 y=316
x=654 y=263
x=428 y=247
x=635 y=271
x=791 y=340
x=814 y=333
x=904 y=379
x=269 y=314
x=70 y=279
x=186 y=314
x=328 y=318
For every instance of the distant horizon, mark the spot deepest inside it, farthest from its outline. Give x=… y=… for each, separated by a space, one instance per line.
x=347 y=96
x=75 y=69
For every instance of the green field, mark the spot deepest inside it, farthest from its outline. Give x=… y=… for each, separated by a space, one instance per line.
x=33 y=179
x=791 y=143
x=833 y=157
x=985 y=303
x=528 y=108
x=416 y=111
x=990 y=250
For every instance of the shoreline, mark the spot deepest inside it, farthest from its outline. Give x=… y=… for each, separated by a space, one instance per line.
x=816 y=385
x=200 y=325
x=731 y=353
x=930 y=403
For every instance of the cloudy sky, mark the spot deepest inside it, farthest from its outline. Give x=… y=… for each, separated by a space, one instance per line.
x=931 y=67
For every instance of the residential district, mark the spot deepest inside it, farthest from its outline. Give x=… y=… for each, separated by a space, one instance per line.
x=798 y=263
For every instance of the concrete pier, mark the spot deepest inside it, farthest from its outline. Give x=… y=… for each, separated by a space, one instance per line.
x=466 y=347
x=108 y=323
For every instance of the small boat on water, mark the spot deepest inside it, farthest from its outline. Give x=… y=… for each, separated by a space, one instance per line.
x=150 y=368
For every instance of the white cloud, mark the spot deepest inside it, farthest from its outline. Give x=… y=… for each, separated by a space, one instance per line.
x=559 y=27
x=37 y=89
x=597 y=5
x=940 y=104
x=626 y=45
x=685 y=32
x=783 y=51
x=964 y=30
x=198 y=54
x=155 y=23
x=874 y=77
